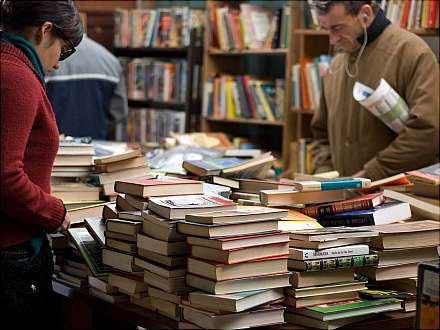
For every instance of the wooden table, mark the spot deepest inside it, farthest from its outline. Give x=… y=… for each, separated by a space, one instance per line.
x=82 y=311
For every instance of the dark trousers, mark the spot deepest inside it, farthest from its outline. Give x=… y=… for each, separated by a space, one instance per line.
x=26 y=296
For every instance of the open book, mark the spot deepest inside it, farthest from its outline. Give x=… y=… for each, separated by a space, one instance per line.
x=384 y=103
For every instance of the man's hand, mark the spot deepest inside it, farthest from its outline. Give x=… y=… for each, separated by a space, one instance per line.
x=359 y=174
x=66 y=223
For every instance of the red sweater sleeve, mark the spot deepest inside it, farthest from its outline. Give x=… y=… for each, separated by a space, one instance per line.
x=24 y=199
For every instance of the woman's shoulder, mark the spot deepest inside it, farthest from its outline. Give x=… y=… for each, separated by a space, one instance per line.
x=16 y=72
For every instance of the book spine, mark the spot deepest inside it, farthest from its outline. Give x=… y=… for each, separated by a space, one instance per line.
x=338 y=207
x=338 y=252
x=345 y=184
x=350 y=221
x=341 y=263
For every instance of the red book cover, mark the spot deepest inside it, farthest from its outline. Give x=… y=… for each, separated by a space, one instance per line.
x=432 y=13
x=405 y=14
x=158 y=182
x=357 y=203
x=304 y=89
x=233 y=17
x=249 y=97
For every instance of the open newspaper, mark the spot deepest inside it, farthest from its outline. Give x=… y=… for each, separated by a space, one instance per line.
x=384 y=103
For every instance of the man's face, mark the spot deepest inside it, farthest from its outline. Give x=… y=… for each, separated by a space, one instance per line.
x=343 y=28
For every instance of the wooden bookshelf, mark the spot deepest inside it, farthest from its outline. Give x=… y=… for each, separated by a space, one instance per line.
x=218 y=61
x=303 y=43
x=193 y=55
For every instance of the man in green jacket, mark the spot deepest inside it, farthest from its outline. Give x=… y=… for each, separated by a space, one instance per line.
x=348 y=137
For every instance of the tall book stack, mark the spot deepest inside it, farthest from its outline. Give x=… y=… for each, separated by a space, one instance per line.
x=127 y=164
x=72 y=167
x=238 y=262
x=323 y=262
x=160 y=252
x=400 y=247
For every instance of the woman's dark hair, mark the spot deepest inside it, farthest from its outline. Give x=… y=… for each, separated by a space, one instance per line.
x=17 y=15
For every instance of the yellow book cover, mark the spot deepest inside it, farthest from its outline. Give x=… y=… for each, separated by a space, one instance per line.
x=231 y=112
x=309 y=158
x=264 y=103
x=221 y=28
x=425 y=14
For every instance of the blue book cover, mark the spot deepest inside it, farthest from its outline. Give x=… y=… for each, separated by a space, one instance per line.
x=383 y=214
x=215 y=165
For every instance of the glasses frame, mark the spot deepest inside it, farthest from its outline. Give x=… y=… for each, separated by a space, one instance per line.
x=65 y=53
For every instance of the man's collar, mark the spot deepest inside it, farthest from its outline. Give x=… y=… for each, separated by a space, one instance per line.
x=378 y=25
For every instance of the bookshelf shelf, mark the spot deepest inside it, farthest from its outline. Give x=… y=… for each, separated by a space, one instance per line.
x=247 y=121
x=311 y=32
x=280 y=51
x=426 y=32
x=156 y=104
x=302 y=111
x=150 y=51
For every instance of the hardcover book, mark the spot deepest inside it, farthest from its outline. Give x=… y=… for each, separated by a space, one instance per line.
x=177 y=207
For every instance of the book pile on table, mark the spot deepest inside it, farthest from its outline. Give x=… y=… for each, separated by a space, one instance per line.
x=127 y=164
x=400 y=247
x=226 y=171
x=323 y=264
x=238 y=264
x=73 y=166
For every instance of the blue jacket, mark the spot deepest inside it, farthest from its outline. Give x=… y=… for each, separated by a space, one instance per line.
x=88 y=93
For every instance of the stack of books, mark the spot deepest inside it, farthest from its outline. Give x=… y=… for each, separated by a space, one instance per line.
x=238 y=261
x=426 y=181
x=163 y=27
x=160 y=252
x=230 y=168
x=233 y=97
x=401 y=247
x=74 y=159
x=330 y=202
x=127 y=164
x=72 y=167
x=324 y=262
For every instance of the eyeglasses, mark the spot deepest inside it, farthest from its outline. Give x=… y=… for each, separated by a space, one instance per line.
x=65 y=53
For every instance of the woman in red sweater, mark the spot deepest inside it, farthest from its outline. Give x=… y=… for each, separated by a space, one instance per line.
x=35 y=36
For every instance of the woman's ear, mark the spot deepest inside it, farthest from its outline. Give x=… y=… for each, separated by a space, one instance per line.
x=43 y=33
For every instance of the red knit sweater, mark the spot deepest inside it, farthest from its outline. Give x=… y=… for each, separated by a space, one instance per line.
x=29 y=143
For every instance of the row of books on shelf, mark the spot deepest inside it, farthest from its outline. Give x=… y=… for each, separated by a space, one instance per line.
x=230 y=97
x=249 y=26
x=164 y=27
x=408 y=14
x=203 y=260
x=306 y=81
x=153 y=125
x=412 y=14
x=154 y=79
